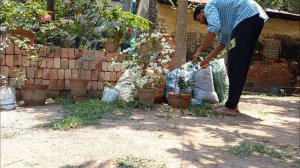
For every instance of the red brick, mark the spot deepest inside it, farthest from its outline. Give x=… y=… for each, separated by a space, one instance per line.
x=88 y=86
x=30 y=72
x=38 y=81
x=25 y=61
x=68 y=73
x=17 y=60
x=53 y=93
x=78 y=53
x=61 y=74
x=53 y=84
x=94 y=75
x=117 y=69
x=85 y=74
x=85 y=65
x=101 y=76
x=9 y=60
x=71 y=64
x=71 y=53
x=99 y=56
x=104 y=66
x=51 y=54
x=39 y=73
x=119 y=74
x=60 y=84
x=106 y=76
x=65 y=53
x=53 y=74
x=18 y=51
x=94 y=85
x=4 y=71
x=67 y=85
x=12 y=72
x=113 y=76
x=50 y=62
x=64 y=63
x=45 y=82
x=110 y=57
x=10 y=50
x=57 y=53
x=2 y=59
x=56 y=63
x=92 y=64
x=74 y=73
x=46 y=73
x=43 y=63
x=109 y=67
x=98 y=66
x=77 y=64
x=29 y=81
x=100 y=85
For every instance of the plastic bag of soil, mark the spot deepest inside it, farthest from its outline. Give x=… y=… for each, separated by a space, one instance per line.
x=220 y=77
x=126 y=86
x=204 y=85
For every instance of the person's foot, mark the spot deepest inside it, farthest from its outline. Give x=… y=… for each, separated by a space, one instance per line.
x=237 y=109
x=227 y=111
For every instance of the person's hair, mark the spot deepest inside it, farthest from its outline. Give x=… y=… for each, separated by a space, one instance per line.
x=198 y=10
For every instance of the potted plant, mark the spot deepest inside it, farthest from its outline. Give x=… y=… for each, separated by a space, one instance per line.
x=182 y=98
x=146 y=61
x=8 y=90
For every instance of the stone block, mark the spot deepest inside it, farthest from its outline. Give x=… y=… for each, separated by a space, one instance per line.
x=71 y=53
x=98 y=66
x=56 y=63
x=45 y=82
x=39 y=73
x=30 y=72
x=25 y=61
x=67 y=85
x=9 y=60
x=68 y=73
x=71 y=63
x=64 y=63
x=43 y=63
x=46 y=73
x=53 y=74
x=95 y=75
x=17 y=60
x=109 y=67
x=5 y=71
x=104 y=66
x=60 y=84
x=53 y=84
x=113 y=76
x=100 y=85
x=61 y=74
x=106 y=76
x=57 y=53
x=74 y=73
x=65 y=52
x=50 y=62
x=12 y=72
x=2 y=59
x=94 y=85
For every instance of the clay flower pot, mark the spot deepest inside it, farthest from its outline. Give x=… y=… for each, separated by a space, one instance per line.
x=146 y=96
x=34 y=94
x=180 y=101
x=78 y=88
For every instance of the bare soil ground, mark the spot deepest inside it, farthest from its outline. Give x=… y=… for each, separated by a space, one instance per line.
x=179 y=141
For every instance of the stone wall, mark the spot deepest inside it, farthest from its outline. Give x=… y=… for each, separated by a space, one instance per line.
x=59 y=66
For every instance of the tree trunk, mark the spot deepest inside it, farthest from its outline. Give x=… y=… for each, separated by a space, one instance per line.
x=180 y=34
x=127 y=5
x=50 y=7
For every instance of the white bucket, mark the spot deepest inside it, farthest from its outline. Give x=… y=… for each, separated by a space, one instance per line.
x=7 y=98
x=110 y=94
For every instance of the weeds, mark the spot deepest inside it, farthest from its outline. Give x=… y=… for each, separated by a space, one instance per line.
x=84 y=112
x=136 y=162
x=203 y=110
x=245 y=150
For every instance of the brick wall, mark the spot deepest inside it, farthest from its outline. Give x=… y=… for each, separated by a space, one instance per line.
x=263 y=75
x=59 y=66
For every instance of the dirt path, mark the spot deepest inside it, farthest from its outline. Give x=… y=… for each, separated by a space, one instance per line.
x=178 y=141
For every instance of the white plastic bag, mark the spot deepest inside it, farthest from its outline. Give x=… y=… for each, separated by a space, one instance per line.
x=110 y=95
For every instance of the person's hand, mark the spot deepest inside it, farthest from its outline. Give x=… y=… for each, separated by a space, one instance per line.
x=196 y=56
x=204 y=63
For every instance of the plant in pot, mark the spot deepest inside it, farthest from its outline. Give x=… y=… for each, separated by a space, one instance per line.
x=110 y=93
x=180 y=99
x=35 y=93
x=146 y=61
x=8 y=90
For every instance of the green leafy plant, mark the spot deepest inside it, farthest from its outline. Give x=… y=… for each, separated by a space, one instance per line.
x=183 y=85
x=137 y=162
x=246 y=149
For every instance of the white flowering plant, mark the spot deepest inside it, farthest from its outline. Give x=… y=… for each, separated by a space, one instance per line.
x=147 y=59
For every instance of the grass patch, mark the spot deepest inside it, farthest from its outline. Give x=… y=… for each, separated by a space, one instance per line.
x=245 y=150
x=84 y=112
x=136 y=162
x=203 y=110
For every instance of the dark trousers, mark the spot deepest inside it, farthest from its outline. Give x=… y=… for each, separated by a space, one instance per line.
x=246 y=35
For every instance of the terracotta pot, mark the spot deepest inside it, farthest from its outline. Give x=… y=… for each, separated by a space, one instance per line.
x=110 y=46
x=146 y=96
x=78 y=88
x=25 y=33
x=159 y=96
x=180 y=101
x=34 y=94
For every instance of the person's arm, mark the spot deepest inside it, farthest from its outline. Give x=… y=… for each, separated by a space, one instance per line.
x=210 y=36
x=212 y=55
